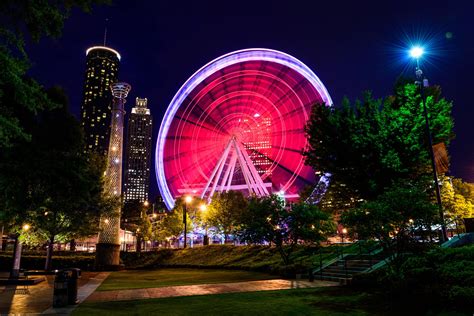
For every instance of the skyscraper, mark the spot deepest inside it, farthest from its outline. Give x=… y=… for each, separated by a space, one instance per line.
x=102 y=67
x=138 y=153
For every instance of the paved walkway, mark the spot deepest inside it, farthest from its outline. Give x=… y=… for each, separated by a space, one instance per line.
x=204 y=289
x=37 y=299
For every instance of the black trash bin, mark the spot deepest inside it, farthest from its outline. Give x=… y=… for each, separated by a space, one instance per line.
x=75 y=274
x=60 y=293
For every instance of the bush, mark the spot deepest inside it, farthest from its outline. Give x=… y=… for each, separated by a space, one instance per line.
x=36 y=262
x=442 y=276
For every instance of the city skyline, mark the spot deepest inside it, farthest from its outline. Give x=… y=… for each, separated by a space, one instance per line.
x=348 y=65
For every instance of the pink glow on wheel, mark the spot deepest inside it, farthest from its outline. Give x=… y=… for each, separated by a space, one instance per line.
x=261 y=97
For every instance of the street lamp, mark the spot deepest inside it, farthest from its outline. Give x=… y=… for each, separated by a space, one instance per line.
x=344 y=231
x=188 y=199
x=417 y=52
x=203 y=208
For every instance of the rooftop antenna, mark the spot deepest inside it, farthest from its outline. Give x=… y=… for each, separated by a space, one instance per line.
x=105 y=31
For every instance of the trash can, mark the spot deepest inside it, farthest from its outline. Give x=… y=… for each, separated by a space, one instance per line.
x=60 y=293
x=74 y=274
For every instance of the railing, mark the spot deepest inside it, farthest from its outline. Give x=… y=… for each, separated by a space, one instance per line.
x=362 y=251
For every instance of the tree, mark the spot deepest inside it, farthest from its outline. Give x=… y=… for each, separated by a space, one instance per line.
x=49 y=181
x=368 y=145
x=458 y=200
x=268 y=220
x=394 y=218
x=224 y=212
x=135 y=219
x=20 y=94
x=172 y=226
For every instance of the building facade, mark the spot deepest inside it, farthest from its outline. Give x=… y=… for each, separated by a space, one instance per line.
x=102 y=67
x=138 y=153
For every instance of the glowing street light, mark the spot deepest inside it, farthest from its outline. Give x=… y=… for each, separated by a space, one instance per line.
x=146 y=203
x=203 y=207
x=416 y=52
x=187 y=199
x=26 y=227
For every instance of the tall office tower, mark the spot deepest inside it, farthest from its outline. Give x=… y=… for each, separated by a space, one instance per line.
x=102 y=66
x=108 y=247
x=138 y=153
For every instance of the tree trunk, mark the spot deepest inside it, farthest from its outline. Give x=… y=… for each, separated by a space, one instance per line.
x=139 y=244
x=72 y=245
x=15 y=272
x=49 y=254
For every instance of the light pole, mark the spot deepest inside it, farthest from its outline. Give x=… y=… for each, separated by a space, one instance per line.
x=188 y=199
x=416 y=52
x=205 y=241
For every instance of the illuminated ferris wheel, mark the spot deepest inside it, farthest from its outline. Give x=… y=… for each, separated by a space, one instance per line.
x=238 y=124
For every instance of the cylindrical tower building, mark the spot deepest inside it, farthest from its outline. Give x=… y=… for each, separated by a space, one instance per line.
x=108 y=247
x=102 y=67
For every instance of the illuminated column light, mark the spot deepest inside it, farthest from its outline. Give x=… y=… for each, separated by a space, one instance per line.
x=110 y=225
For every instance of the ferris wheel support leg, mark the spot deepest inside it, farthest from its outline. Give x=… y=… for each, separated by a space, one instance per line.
x=245 y=170
x=231 y=175
x=227 y=171
x=221 y=160
x=253 y=171
x=218 y=175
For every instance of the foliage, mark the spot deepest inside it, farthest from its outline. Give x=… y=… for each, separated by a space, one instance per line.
x=18 y=93
x=268 y=220
x=441 y=277
x=171 y=225
x=458 y=200
x=395 y=218
x=36 y=262
x=224 y=212
x=134 y=218
x=368 y=145
x=50 y=182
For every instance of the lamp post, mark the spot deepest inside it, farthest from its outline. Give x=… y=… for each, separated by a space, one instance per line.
x=188 y=199
x=416 y=52
x=205 y=241
x=344 y=231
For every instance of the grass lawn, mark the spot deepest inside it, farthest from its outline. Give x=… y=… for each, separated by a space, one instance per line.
x=316 y=301
x=138 y=279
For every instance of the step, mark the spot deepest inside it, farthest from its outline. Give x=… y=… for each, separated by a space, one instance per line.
x=349 y=270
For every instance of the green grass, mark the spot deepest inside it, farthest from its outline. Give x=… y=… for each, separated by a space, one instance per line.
x=136 y=279
x=257 y=258
x=317 y=301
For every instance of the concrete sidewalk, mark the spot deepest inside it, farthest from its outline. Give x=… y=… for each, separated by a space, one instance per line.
x=37 y=299
x=204 y=289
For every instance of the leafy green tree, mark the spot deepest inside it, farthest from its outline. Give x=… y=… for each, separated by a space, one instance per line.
x=224 y=212
x=368 y=145
x=135 y=219
x=171 y=226
x=457 y=197
x=394 y=218
x=20 y=19
x=49 y=181
x=268 y=220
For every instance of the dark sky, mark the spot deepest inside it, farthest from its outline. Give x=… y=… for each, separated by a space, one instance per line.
x=351 y=45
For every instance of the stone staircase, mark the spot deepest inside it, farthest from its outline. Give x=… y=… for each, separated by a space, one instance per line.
x=342 y=270
x=359 y=257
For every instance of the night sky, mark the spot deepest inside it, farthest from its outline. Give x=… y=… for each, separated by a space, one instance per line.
x=352 y=46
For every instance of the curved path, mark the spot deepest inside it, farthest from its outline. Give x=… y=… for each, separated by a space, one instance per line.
x=204 y=289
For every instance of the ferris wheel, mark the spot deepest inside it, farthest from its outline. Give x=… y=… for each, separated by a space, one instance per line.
x=238 y=124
